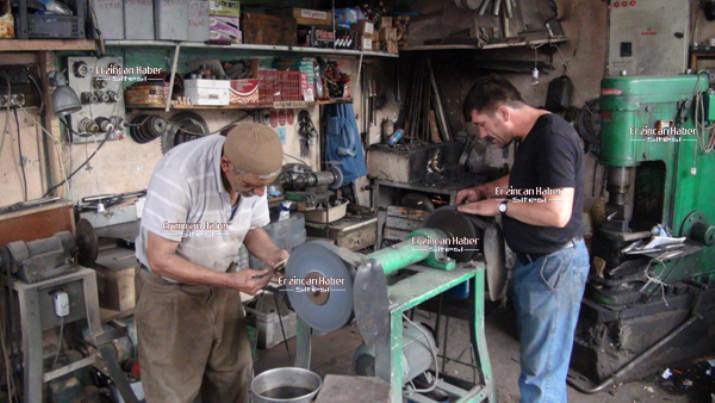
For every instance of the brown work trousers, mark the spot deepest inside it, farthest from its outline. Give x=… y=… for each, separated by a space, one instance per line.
x=193 y=342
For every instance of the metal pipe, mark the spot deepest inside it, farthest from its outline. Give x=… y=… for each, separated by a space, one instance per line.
x=174 y=64
x=441 y=118
x=400 y=255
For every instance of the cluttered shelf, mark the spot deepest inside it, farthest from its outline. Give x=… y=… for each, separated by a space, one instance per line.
x=495 y=45
x=275 y=105
x=251 y=48
x=39 y=45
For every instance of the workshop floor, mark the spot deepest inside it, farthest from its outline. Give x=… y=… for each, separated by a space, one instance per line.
x=332 y=354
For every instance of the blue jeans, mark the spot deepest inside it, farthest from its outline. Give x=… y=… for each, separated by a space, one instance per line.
x=548 y=293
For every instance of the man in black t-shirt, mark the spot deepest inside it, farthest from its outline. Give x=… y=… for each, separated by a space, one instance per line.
x=540 y=202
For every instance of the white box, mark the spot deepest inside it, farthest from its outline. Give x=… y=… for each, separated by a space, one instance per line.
x=207 y=92
x=366 y=43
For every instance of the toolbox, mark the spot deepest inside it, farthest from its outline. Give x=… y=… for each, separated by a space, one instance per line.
x=207 y=92
x=38 y=25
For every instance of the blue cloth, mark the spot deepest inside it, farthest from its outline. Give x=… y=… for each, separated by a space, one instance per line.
x=343 y=145
x=548 y=293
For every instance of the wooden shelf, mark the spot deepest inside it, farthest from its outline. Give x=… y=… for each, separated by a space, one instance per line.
x=488 y=46
x=39 y=45
x=251 y=48
x=276 y=105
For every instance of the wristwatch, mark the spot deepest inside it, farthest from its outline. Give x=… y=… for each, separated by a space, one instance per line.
x=503 y=206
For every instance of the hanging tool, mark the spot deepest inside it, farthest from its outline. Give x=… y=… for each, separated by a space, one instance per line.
x=497 y=7
x=484 y=7
x=441 y=117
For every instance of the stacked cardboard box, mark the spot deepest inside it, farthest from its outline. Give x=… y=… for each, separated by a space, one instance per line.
x=225 y=20
x=268 y=29
x=277 y=86
x=366 y=33
x=393 y=33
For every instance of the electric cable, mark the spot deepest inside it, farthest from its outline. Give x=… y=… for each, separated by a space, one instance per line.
x=56 y=147
x=86 y=161
x=280 y=321
x=22 y=162
x=6 y=129
x=59 y=347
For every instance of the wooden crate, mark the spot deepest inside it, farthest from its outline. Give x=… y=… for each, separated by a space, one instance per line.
x=115 y=279
x=37 y=222
x=401 y=221
x=266 y=29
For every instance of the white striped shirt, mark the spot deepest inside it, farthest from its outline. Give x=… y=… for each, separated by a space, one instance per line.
x=186 y=202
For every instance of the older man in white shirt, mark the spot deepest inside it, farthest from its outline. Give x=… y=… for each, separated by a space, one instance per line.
x=205 y=198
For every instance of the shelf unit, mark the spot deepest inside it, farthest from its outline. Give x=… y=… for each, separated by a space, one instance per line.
x=249 y=48
x=40 y=45
x=276 y=105
x=252 y=48
x=501 y=45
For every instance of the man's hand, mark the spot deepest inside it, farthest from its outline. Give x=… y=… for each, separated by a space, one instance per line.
x=250 y=281
x=469 y=195
x=487 y=208
x=280 y=259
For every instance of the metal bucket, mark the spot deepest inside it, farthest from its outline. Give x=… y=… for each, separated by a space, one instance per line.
x=288 y=384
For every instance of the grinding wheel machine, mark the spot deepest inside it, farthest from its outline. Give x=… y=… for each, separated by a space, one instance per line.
x=328 y=287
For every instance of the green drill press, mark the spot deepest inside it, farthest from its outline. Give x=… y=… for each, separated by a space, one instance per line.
x=647 y=306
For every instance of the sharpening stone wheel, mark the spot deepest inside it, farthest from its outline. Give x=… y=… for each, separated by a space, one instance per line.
x=454 y=224
x=330 y=307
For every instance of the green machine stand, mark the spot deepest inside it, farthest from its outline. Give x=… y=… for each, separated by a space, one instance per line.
x=328 y=287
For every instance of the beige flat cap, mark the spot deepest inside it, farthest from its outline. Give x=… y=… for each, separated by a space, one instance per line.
x=254 y=148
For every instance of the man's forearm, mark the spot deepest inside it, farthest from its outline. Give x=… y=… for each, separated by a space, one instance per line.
x=262 y=246
x=489 y=189
x=179 y=269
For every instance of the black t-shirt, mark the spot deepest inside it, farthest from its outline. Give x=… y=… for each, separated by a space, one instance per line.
x=550 y=157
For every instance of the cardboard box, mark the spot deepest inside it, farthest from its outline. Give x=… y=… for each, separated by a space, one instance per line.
x=139 y=19
x=366 y=43
x=244 y=92
x=198 y=21
x=306 y=16
x=7 y=23
x=225 y=8
x=364 y=28
x=207 y=92
x=224 y=28
x=268 y=29
x=388 y=34
x=171 y=19
x=392 y=47
x=385 y=22
x=115 y=269
x=110 y=18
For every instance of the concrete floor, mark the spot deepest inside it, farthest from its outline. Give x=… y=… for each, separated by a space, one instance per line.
x=332 y=354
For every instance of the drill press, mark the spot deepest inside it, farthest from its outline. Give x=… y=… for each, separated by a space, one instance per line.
x=649 y=307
